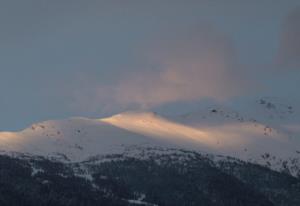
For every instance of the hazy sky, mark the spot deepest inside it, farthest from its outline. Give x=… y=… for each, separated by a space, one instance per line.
x=61 y=58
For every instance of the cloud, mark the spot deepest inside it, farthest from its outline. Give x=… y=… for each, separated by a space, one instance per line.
x=289 y=48
x=189 y=64
x=193 y=64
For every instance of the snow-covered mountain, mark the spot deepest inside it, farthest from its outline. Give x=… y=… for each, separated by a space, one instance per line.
x=267 y=134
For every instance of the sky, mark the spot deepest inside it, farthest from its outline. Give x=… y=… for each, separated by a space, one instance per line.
x=64 y=58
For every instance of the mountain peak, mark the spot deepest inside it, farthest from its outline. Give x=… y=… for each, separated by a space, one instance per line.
x=216 y=131
x=134 y=114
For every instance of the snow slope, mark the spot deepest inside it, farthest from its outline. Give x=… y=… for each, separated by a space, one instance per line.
x=225 y=135
x=79 y=138
x=72 y=139
x=218 y=131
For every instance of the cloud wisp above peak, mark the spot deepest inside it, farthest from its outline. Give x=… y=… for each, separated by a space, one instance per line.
x=190 y=63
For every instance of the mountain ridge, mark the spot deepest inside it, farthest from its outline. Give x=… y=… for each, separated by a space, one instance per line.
x=216 y=131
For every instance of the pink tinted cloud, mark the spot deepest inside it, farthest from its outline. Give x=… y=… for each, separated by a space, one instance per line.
x=289 y=48
x=191 y=63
